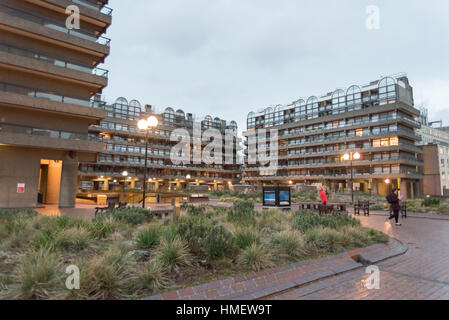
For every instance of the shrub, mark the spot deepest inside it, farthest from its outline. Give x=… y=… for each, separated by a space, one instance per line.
x=255 y=257
x=130 y=215
x=325 y=239
x=72 y=239
x=431 y=202
x=377 y=236
x=148 y=237
x=38 y=274
x=246 y=237
x=242 y=213
x=192 y=210
x=218 y=243
x=194 y=230
x=103 y=227
x=103 y=277
x=174 y=254
x=306 y=221
x=379 y=207
x=289 y=244
x=153 y=276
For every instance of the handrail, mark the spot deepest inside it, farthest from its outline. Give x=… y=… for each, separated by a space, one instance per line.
x=57 y=61
x=50 y=95
x=53 y=24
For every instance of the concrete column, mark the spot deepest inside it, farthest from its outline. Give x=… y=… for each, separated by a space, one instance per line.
x=67 y=197
x=156 y=186
x=105 y=185
x=54 y=182
x=375 y=186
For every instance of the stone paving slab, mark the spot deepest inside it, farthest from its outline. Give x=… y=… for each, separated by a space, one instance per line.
x=272 y=281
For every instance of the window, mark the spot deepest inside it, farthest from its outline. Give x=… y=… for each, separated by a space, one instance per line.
x=338 y=102
x=387 y=91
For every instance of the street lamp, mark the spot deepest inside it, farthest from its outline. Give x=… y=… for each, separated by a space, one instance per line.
x=124 y=175
x=352 y=156
x=146 y=125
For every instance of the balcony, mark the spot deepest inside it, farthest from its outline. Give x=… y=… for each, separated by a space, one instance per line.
x=25 y=136
x=50 y=95
x=35 y=24
x=54 y=60
x=93 y=4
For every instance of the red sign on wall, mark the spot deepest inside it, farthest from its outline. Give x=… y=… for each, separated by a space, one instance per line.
x=21 y=188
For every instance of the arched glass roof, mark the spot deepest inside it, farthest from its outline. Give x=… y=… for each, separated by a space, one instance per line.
x=122 y=101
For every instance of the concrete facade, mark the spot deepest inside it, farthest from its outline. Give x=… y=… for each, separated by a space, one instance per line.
x=377 y=121
x=125 y=151
x=48 y=76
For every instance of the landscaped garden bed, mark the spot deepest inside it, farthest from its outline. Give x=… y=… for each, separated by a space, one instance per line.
x=129 y=254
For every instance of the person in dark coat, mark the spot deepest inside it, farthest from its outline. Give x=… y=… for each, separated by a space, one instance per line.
x=395 y=206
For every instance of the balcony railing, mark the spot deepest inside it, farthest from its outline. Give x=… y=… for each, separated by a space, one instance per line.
x=69 y=64
x=93 y=4
x=53 y=24
x=49 y=95
x=57 y=134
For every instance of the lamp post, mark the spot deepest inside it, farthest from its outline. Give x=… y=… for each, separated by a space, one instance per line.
x=146 y=125
x=352 y=156
x=124 y=175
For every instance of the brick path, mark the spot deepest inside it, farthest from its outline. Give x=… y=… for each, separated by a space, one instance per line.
x=421 y=273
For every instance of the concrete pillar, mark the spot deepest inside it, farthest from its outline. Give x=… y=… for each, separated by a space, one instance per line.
x=67 y=197
x=156 y=186
x=375 y=186
x=54 y=182
x=105 y=185
x=132 y=184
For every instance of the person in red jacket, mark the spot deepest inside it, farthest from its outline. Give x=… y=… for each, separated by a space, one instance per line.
x=323 y=196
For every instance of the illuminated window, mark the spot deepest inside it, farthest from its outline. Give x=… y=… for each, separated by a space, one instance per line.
x=359 y=132
x=394 y=141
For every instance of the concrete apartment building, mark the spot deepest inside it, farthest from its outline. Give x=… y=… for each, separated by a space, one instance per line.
x=48 y=76
x=435 y=142
x=377 y=120
x=125 y=151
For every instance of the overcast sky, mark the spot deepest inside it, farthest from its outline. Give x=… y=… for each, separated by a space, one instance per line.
x=229 y=57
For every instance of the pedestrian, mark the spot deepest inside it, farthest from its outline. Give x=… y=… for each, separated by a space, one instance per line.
x=395 y=207
x=323 y=196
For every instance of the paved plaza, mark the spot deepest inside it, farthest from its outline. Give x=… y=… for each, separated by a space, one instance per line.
x=421 y=273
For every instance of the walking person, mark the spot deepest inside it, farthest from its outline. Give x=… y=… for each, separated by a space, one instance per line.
x=395 y=207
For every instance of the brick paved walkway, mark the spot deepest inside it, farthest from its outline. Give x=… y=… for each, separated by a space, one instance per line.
x=421 y=273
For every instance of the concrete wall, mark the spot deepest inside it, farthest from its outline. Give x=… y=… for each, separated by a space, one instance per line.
x=20 y=165
x=431 y=184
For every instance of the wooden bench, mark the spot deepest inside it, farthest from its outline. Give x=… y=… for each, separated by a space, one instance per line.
x=111 y=206
x=362 y=206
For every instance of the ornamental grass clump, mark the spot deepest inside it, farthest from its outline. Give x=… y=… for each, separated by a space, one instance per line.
x=174 y=254
x=242 y=213
x=288 y=244
x=245 y=237
x=152 y=276
x=39 y=274
x=255 y=257
x=148 y=237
